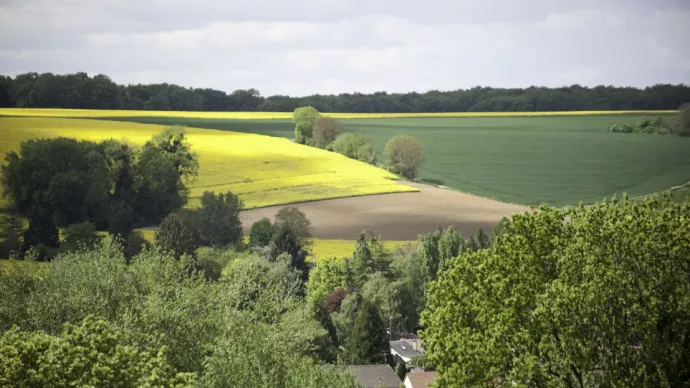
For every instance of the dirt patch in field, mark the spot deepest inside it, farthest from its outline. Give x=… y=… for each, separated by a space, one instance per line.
x=399 y=216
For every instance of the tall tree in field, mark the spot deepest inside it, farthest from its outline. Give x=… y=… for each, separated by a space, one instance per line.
x=404 y=155
x=294 y=219
x=368 y=343
x=584 y=297
x=304 y=119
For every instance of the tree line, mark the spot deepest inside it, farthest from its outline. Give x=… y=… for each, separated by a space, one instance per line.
x=79 y=90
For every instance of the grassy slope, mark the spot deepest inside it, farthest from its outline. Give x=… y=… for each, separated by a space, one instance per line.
x=527 y=160
x=262 y=170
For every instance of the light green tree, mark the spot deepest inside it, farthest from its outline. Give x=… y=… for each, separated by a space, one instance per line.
x=586 y=296
x=304 y=119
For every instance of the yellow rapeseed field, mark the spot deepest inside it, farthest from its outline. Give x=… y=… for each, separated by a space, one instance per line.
x=262 y=170
x=342 y=248
x=37 y=112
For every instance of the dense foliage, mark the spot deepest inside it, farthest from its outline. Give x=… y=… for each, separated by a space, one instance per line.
x=325 y=131
x=63 y=181
x=304 y=119
x=78 y=90
x=584 y=296
x=157 y=321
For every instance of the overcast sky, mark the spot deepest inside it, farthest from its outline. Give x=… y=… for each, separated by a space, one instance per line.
x=303 y=47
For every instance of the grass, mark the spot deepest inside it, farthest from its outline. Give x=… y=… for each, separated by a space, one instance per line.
x=262 y=170
x=525 y=160
x=92 y=113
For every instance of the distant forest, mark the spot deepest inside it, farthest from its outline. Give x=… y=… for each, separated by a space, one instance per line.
x=78 y=90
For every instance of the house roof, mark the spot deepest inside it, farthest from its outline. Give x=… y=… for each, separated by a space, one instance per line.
x=372 y=376
x=420 y=379
x=404 y=350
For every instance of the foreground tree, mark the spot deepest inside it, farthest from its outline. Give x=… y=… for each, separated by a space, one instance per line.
x=588 y=296
x=261 y=233
x=326 y=130
x=89 y=354
x=404 y=155
x=304 y=119
x=292 y=218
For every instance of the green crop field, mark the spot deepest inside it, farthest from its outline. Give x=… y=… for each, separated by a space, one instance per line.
x=528 y=160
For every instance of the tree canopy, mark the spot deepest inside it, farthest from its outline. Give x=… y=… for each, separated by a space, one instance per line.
x=79 y=90
x=584 y=296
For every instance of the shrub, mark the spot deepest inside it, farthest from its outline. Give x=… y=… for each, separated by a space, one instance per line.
x=354 y=146
x=404 y=155
x=134 y=244
x=326 y=130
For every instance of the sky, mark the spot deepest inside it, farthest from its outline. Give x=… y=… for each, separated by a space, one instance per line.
x=303 y=47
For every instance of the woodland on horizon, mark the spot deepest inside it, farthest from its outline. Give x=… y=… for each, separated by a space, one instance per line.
x=80 y=91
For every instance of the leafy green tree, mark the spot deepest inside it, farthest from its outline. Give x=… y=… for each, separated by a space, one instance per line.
x=42 y=230
x=261 y=233
x=362 y=263
x=326 y=130
x=404 y=155
x=176 y=236
x=134 y=244
x=401 y=371
x=428 y=251
x=386 y=295
x=368 y=343
x=82 y=235
x=218 y=219
x=500 y=229
x=450 y=245
x=324 y=278
x=355 y=146
x=585 y=296
x=286 y=241
x=304 y=119
x=290 y=217
x=91 y=354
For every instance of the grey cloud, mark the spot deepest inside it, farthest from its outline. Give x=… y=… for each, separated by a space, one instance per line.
x=317 y=46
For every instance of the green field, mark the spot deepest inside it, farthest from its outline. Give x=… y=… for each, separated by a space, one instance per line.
x=558 y=160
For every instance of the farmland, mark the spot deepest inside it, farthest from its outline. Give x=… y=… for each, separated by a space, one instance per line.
x=558 y=160
x=262 y=170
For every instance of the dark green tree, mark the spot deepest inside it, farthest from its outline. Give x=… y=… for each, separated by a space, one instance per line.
x=81 y=235
x=292 y=218
x=261 y=233
x=218 y=219
x=368 y=343
x=176 y=237
x=684 y=120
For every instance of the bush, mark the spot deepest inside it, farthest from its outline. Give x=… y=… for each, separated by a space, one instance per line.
x=354 y=146
x=261 y=233
x=404 y=155
x=134 y=244
x=326 y=130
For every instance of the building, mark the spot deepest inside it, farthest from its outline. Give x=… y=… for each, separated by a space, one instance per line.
x=405 y=350
x=419 y=379
x=375 y=376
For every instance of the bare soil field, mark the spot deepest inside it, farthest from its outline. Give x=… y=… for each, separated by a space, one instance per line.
x=399 y=216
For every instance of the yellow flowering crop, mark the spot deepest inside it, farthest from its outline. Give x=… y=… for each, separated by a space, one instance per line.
x=262 y=170
x=39 y=112
x=342 y=248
